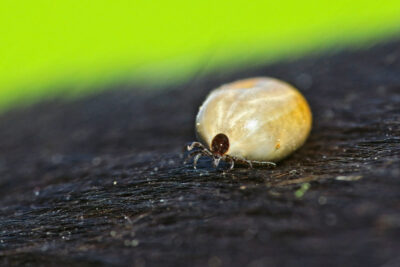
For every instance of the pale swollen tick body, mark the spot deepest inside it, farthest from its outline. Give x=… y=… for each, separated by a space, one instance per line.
x=256 y=121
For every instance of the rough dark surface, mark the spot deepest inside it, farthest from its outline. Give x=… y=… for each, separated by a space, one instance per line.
x=100 y=180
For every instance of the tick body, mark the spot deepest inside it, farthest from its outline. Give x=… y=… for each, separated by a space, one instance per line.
x=257 y=120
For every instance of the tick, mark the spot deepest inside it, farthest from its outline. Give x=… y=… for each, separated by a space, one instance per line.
x=256 y=121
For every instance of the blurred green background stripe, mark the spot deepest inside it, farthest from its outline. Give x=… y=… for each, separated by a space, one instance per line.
x=49 y=45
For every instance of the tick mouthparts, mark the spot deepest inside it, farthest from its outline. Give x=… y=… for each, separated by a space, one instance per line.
x=216 y=161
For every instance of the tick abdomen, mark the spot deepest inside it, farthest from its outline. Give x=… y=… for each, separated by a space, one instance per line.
x=265 y=119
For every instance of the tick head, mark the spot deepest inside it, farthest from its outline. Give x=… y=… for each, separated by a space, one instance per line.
x=220 y=145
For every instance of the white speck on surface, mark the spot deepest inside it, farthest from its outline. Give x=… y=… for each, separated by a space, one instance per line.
x=134 y=243
x=36 y=192
x=349 y=178
x=115 y=183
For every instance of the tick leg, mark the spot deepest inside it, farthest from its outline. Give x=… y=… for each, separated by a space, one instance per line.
x=196 y=158
x=195 y=144
x=202 y=151
x=216 y=161
x=265 y=163
x=232 y=163
x=207 y=152
x=243 y=161
x=191 y=155
x=249 y=163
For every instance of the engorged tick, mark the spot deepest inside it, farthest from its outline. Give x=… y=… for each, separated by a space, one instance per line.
x=256 y=121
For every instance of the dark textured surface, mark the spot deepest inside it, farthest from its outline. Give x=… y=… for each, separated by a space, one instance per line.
x=101 y=181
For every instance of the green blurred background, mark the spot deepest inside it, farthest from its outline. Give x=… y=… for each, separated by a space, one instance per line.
x=71 y=48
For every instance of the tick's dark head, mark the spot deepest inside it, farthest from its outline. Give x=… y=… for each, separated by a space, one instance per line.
x=220 y=145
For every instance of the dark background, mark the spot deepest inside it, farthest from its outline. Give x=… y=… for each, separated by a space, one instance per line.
x=100 y=180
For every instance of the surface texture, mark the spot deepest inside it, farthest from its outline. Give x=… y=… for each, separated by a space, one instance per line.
x=100 y=181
